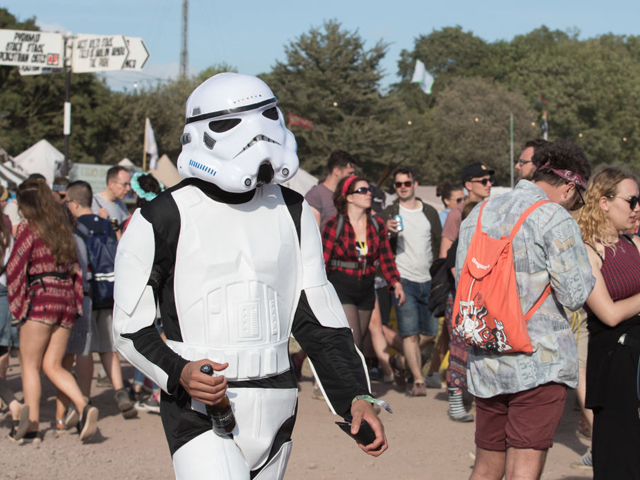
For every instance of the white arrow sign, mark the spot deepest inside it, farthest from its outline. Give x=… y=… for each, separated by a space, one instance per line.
x=99 y=53
x=138 y=54
x=31 y=50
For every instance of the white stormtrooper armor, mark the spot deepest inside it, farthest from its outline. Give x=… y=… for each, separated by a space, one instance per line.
x=237 y=270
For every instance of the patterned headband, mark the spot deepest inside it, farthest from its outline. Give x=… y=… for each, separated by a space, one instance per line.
x=567 y=175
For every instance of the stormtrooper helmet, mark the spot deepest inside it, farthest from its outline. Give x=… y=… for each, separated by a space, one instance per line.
x=235 y=136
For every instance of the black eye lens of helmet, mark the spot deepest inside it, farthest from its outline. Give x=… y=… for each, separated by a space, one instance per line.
x=220 y=126
x=271 y=114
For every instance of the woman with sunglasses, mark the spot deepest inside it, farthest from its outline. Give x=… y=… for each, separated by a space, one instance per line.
x=353 y=241
x=610 y=213
x=451 y=195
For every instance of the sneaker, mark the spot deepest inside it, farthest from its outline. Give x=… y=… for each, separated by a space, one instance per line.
x=374 y=374
x=464 y=418
x=151 y=405
x=398 y=372
x=72 y=418
x=584 y=463
x=103 y=381
x=88 y=423
x=433 y=380
x=125 y=405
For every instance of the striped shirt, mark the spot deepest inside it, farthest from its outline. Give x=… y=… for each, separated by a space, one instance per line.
x=117 y=209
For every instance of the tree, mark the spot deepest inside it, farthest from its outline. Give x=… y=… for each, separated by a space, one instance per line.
x=330 y=78
x=470 y=123
x=31 y=108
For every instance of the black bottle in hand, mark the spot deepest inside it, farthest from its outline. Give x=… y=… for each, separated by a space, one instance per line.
x=221 y=414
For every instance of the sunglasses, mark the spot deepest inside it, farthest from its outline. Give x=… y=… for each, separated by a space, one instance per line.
x=632 y=201
x=363 y=190
x=579 y=203
x=523 y=162
x=406 y=184
x=484 y=181
x=460 y=200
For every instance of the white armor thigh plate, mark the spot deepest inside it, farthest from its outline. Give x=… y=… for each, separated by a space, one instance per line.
x=237 y=281
x=259 y=412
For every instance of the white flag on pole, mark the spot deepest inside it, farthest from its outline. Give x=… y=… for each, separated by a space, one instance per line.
x=422 y=78
x=151 y=147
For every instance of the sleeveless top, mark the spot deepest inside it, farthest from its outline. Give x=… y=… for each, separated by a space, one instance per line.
x=621 y=269
x=621 y=273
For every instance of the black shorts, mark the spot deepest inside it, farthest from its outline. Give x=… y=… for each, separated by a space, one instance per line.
x=358 y=291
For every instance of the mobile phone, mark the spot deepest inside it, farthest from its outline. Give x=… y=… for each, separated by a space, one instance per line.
x=365 y=435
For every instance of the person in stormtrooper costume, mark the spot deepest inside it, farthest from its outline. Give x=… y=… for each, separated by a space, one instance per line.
x=235 y=261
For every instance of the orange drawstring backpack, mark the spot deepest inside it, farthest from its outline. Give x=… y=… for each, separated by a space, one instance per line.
x=487 y=311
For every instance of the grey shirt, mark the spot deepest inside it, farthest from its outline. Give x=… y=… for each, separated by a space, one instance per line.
x=117 y=209
x=547 y=248
x=321 y=198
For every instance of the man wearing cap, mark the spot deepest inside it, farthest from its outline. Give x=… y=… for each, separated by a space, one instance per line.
x=477 y=179
x=525 y=165
x=520 y=397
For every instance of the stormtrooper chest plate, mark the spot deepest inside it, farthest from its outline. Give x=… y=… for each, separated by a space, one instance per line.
x=237 y=281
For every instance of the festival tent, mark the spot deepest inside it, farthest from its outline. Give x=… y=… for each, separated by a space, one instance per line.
x=129 y=165
x=11 y=177
x=42 y=158
x=166 y=172
x=301 y=182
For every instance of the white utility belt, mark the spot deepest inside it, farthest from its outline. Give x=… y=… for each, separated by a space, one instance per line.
x=245 y=362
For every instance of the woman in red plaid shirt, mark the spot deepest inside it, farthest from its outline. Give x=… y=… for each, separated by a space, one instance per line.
x=351 y=258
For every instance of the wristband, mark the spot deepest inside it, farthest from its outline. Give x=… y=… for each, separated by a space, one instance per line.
x=370 y=399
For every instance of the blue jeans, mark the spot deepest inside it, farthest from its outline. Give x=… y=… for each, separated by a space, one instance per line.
x=8 y=332
x=414 y=316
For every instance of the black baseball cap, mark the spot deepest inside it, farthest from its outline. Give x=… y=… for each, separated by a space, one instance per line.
x=475 y=170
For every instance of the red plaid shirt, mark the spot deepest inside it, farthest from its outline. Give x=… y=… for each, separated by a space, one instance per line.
x=345 y=249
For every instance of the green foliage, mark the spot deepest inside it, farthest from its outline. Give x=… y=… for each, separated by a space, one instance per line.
x=332 y=79
x=329 y=76
x=589 y=86
x=470 y=123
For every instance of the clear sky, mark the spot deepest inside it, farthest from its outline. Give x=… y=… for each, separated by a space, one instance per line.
x=250 y=35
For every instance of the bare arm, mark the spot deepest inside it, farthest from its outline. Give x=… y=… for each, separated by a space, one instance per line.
x=445 y=245
x=609 y=312
x=316 y=215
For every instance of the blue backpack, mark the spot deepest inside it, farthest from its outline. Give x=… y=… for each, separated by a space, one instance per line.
x=101 y=250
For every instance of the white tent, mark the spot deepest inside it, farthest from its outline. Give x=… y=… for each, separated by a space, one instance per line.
x=167 y=173
x=10 y=175
x=42 y=158
x=302 y=182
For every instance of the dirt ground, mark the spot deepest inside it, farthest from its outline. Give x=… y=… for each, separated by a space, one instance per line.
x=423 y=442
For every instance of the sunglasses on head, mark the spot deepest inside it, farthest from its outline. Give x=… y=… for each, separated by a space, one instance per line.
x=363 y=190
x=632 y=201
x=406 y=184
x=484 y=181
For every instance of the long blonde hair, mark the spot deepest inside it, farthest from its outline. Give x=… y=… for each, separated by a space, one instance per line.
x=594 y=224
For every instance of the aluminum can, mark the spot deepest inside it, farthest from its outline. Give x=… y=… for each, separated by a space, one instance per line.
x=400 y=226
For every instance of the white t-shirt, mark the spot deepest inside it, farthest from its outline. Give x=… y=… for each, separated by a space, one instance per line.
x=413 y=252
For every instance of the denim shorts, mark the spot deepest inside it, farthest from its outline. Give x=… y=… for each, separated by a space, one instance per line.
x=8 y=332
x=414 y=316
